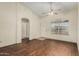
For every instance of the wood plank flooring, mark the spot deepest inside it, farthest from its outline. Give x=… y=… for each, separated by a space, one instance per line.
x=35 y=47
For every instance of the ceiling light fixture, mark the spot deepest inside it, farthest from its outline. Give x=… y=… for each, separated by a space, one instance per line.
x=51 y=10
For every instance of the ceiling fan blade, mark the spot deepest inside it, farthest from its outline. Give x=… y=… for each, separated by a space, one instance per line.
x=58 y=10
x=45 y=12
x=45 y=15
x=56 y=13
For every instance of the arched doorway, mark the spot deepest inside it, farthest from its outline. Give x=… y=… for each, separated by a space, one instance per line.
x=25 y=30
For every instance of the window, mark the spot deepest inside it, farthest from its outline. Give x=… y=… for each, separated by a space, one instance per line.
x=60 y=27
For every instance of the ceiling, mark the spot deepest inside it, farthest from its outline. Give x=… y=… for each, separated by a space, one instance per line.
x=40 y=8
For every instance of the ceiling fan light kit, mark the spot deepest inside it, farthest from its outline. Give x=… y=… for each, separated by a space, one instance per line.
x=51 y=10
x=50 y=13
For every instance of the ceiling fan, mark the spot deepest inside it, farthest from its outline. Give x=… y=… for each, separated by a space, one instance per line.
x=51 y=10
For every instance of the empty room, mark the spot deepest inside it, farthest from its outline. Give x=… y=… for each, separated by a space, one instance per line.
x=39 y=29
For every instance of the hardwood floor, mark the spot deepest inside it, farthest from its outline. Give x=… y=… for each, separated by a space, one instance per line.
x=35 y=47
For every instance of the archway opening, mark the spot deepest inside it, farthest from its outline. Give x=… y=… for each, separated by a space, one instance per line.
x=25 y=30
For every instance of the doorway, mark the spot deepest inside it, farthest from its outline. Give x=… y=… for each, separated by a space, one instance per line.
x=25 y=30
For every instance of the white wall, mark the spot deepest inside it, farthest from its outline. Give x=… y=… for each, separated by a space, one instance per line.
x=78 y=29
x=10 y=23
x=71 y=16
x=7 y=24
